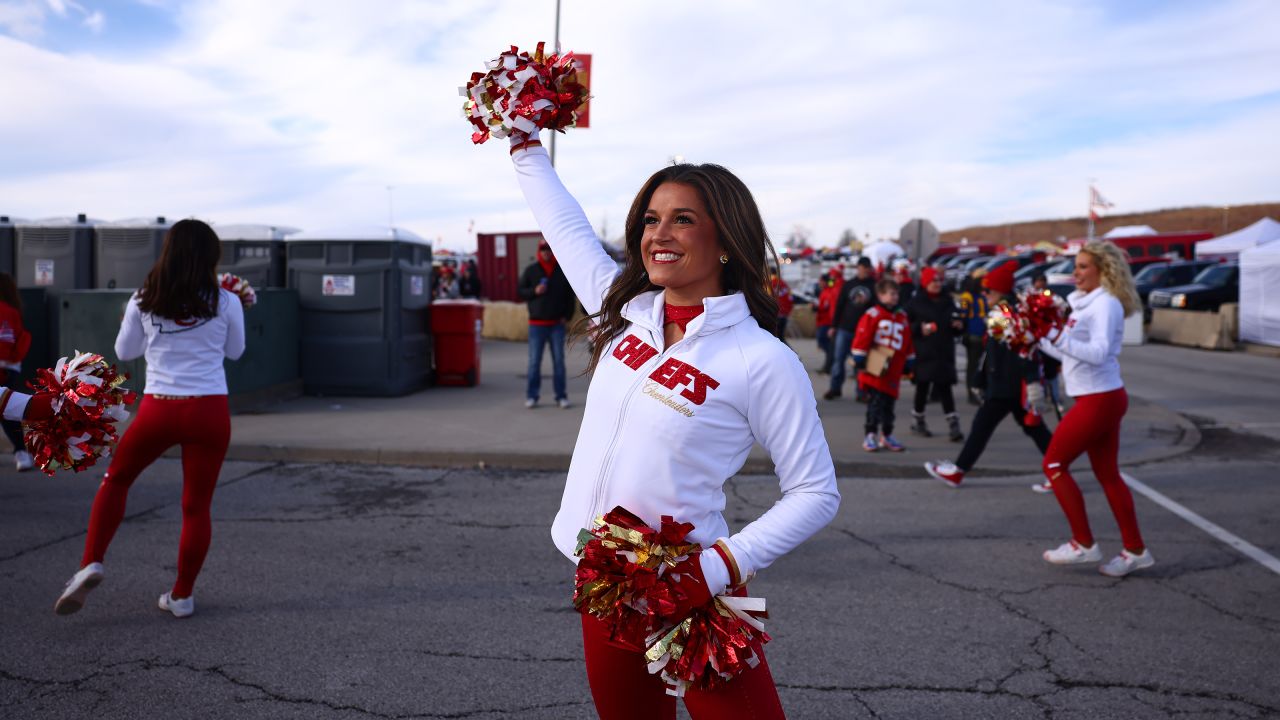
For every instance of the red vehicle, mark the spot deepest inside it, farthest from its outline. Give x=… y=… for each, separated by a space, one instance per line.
x=1179 y=244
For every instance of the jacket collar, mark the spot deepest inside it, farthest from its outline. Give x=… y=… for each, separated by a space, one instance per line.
x=720 y=312
x=1079 y=300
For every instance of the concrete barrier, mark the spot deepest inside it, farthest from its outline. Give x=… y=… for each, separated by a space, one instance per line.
x=1208 y=330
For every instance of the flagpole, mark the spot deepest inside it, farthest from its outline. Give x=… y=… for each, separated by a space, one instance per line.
x=557 y=51
x=1089 y=232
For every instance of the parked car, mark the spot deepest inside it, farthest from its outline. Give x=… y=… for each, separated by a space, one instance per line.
x=1214 y=286
x=1031 y=271
x=1167 y=274
x=957 y=273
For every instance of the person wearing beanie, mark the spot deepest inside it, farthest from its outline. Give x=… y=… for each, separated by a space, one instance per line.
x=935 y=326
x=1003 y=375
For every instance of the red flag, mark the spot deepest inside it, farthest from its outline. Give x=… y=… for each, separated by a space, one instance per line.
x=584 y=77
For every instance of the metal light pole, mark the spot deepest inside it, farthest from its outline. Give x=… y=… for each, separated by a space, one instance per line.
x=557 y=51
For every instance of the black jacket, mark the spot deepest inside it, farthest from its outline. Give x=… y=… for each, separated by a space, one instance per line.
x=557 y=303
x=1002 y=371
x=469 y=286
x=855 y=297
x=935 y=353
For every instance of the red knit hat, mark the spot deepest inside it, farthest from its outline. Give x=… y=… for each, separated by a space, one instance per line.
x=928 y=275
x=1001 y=279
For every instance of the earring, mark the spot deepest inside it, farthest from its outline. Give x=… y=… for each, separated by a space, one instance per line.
x=724 y=258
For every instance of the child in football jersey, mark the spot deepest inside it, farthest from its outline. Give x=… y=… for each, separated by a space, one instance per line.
x=883 y=327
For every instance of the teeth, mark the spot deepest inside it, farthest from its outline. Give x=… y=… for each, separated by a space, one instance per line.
x=665 y=257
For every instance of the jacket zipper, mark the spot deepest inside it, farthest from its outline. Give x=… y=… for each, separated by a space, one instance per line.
x=597 y=496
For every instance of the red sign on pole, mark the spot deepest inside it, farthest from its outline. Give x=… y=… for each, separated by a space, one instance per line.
x=584 y=76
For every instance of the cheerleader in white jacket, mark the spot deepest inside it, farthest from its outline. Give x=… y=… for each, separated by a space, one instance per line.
x=687 y=377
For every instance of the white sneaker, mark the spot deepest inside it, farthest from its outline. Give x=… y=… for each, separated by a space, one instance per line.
x=1045 y=487
x=1071 y=553
x=563 y=403
x=531 y=403
x=23 y=460
x=1126 y=562
x=78 y=587
x=945 y=471
x=180 y=608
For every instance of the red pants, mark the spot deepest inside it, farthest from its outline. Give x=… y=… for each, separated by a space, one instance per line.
x=202 y=426
x=623 y=688
x=1092 y=426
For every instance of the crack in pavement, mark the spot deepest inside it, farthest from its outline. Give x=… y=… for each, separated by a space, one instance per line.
x=268 y=695
x=505 y=658
x=1047 y=634
x=1259 y=622
x=129 y=518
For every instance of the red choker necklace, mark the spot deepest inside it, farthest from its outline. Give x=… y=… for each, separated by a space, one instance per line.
x=680 y=314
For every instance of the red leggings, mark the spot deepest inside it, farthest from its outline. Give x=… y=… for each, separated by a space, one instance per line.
x=623 y=688
x=1092 y=425
x=202 y=426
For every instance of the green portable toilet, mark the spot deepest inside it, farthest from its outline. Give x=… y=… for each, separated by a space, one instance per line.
x=255 y=252
x=55 y=253
x=125 y=250
x=364 y=299
x=8 y=239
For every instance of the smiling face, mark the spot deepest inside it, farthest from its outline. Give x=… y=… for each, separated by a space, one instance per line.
x=1088 y=276
x=681 y=246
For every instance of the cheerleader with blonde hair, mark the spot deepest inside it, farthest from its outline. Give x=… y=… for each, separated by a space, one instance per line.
x=1089 y=348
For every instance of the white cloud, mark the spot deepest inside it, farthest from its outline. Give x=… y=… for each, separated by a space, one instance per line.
x=23 y=19
x=836 y=114
x=95 y=21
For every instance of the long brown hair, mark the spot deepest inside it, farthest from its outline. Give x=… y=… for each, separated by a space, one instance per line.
x=184 y=283
x=9 y=294
x=741 y=233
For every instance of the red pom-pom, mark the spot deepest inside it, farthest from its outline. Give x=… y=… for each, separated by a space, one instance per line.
x=239 y=286
x=620 y=580
x=87 y=399
x=1021 y=326
x=523 y=93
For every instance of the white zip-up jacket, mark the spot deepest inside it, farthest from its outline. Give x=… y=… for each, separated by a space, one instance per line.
x=1089 y=345
x=665 y=427
x=184 y=357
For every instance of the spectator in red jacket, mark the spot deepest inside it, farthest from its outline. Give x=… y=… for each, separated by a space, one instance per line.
x=15 y=341
x=824 y=316
x=782 y=292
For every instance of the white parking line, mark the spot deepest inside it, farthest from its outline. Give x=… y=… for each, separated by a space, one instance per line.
x=1262 y=557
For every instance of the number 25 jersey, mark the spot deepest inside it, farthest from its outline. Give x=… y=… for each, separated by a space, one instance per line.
x=889 y=328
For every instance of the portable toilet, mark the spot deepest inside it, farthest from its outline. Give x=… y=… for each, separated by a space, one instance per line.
x=8 y=239
x=55 y=253
x=254 y=252
x=364 y=296
x=125 y=250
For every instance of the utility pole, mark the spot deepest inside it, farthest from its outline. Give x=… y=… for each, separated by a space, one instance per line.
x=557 y=50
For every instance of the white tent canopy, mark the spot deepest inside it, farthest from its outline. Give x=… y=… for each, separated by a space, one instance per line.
x=1232 y=244
x=1260 y=294
x=883 y=252
x=1130 y=231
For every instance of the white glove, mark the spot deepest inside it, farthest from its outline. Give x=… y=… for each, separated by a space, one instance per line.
x=714 y=572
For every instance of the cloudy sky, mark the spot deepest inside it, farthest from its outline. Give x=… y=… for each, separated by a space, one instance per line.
x=837 y=114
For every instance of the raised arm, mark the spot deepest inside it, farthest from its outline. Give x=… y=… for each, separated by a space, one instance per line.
x=577 y=249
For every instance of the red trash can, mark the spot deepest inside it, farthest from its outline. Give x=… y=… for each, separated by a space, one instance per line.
x=456 y=325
